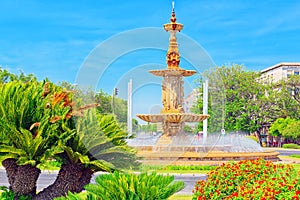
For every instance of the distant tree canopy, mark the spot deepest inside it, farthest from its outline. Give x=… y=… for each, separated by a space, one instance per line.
x=110 y=104
x=6 y=76
x=239 y=102
x=149 y=127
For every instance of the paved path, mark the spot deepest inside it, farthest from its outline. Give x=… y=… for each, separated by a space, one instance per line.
x=287 y=152
x=47 y=178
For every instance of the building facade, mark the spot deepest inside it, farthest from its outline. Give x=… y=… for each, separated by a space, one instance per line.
x=279 y=71
x=273 y=74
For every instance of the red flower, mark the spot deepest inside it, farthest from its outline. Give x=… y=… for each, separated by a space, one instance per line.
x=234 y=194
x=295 y=197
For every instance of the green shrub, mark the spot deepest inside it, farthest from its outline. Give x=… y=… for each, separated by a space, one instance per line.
x=7 y=194
x=144 y=186
x=291 y=146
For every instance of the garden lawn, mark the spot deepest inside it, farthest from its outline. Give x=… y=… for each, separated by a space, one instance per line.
x=180 y=197
x=201 y=169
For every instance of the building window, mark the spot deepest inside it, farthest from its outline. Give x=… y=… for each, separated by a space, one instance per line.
x=296 y=73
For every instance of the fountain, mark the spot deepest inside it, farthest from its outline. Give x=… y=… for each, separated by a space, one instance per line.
x=173 y=145
x=172 y=115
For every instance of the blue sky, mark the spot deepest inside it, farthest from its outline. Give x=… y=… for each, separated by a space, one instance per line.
x=54 y=38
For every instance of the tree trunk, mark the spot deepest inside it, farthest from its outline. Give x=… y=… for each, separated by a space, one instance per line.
x=11 y=168
x=22 y=179
x=71 y=177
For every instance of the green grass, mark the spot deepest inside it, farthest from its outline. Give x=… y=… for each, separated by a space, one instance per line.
x=297 y=167
x=180 y=197
x=201 y=169
x=295 y=156
x=291 y=146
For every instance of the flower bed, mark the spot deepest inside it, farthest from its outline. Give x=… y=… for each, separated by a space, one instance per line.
x=250 y=179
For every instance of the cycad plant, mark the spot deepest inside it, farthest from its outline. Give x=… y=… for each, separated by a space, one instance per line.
x=120 y=186
x=134 y=186
x=39 y=121
x=28 y=134
x=97 y=145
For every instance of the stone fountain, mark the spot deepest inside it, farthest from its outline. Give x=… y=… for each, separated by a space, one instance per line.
x=174 y=146
x=172 y=116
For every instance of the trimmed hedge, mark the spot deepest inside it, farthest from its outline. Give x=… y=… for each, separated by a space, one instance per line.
x=291 y=146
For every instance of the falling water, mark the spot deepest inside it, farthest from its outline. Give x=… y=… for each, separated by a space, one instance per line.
x=230 y=142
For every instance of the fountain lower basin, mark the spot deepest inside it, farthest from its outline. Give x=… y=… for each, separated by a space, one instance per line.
x=192 y=150
x=201 y=158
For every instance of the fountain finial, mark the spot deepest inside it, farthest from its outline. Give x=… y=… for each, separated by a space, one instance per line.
x=173 y=57
x=173 y=5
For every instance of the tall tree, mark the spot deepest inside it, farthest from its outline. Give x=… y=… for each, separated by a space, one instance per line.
x=112 y=105
x=237 y=100
x=287 y=97
x=105 y=100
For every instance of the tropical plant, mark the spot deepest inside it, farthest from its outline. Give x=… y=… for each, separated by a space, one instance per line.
x=77 y=196
x=143 y=186
x=119 y=186
x=28 y=131
x=97 y=145
x=41 y=122
x=7 y=194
